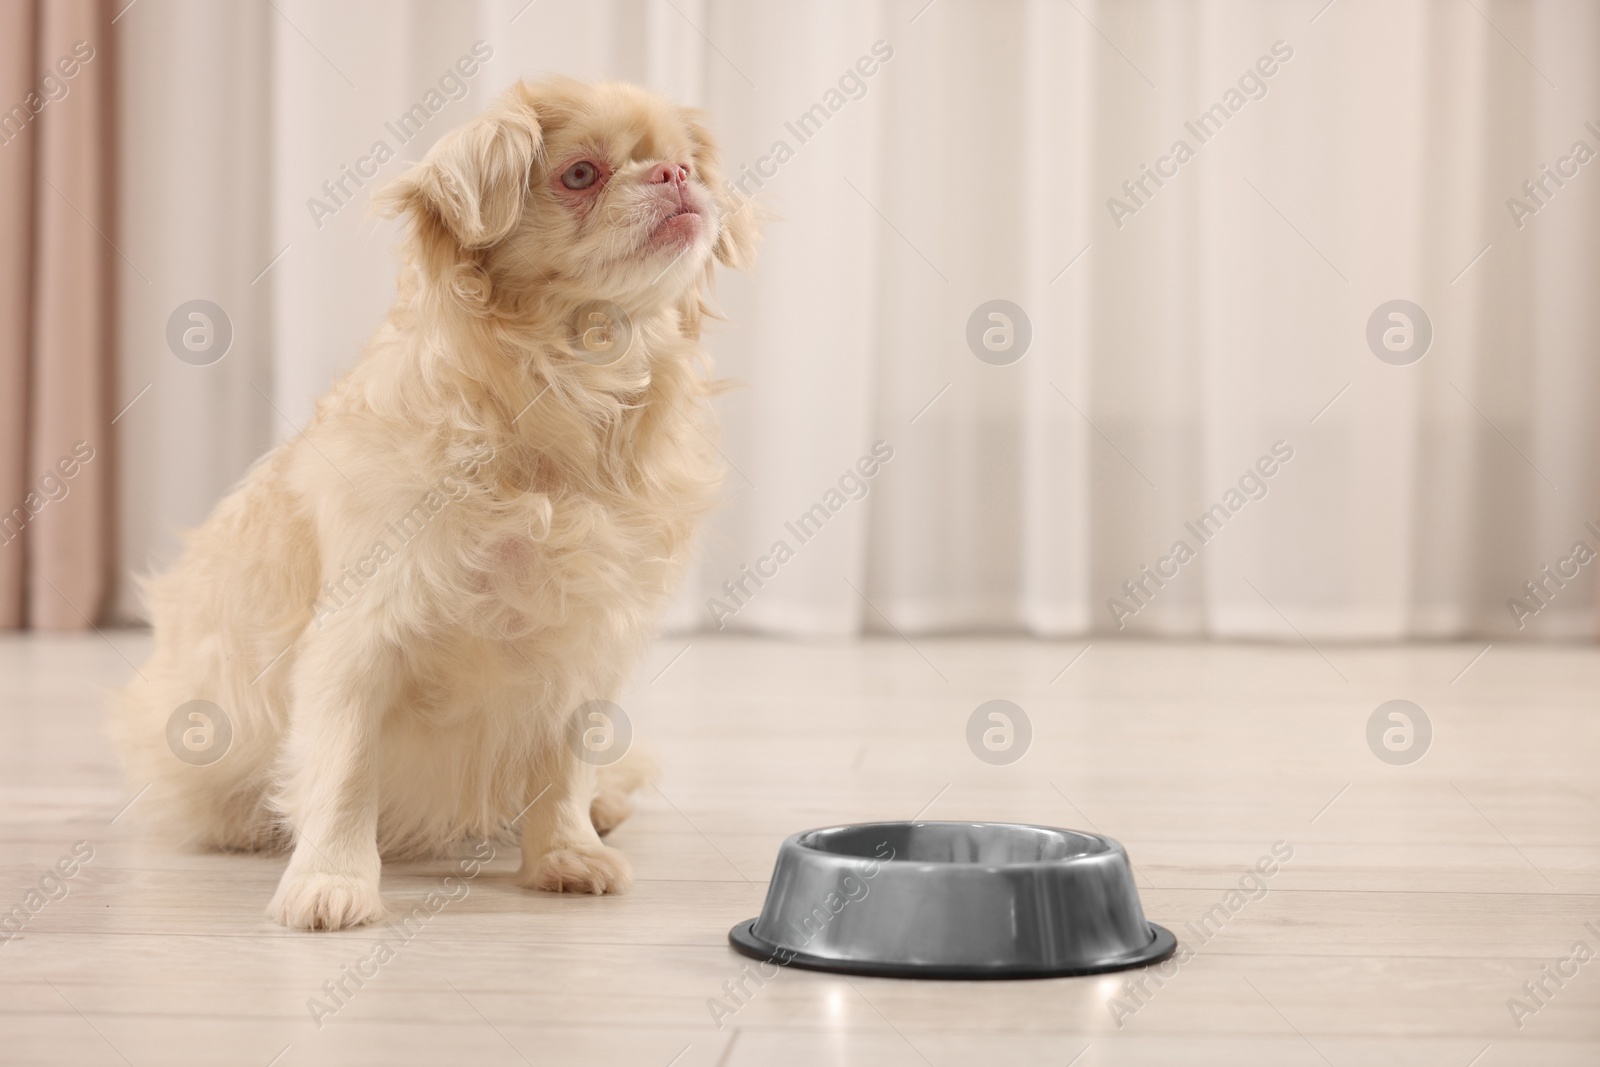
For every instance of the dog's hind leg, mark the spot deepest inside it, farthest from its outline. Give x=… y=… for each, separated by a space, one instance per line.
x=611 y=805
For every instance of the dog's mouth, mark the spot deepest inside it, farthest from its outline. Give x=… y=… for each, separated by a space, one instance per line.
x=678 y=228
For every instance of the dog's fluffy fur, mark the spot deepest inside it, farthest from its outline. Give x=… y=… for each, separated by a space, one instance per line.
x=400 y=609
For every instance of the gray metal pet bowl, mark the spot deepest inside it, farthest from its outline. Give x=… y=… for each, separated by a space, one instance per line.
x=953 y=900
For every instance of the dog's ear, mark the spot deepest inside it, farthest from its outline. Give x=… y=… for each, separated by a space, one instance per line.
x=740 y=233
x=474 y=181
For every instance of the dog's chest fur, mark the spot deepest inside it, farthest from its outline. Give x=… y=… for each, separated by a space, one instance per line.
x=589 y=540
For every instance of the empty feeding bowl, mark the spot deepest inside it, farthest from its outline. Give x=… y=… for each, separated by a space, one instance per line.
x=953 y=900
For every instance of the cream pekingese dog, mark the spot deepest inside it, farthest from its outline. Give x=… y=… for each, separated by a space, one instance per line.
x=399 y=611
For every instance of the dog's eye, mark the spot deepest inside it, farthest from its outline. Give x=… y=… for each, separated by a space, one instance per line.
x=580 y=175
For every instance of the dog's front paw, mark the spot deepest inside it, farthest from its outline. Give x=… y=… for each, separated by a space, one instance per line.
x=318 y=900
x=589 y=869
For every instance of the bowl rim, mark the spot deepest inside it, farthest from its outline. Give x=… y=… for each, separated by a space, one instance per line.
x=1107 y=846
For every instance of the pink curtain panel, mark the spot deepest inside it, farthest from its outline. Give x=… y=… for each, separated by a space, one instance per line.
x=57 y=267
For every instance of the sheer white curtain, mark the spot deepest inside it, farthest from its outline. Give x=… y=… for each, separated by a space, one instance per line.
x=1186 y=339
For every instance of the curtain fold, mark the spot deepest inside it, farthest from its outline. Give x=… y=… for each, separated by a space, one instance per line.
x=1198 y=373
x=57 y=165
x=16 y=296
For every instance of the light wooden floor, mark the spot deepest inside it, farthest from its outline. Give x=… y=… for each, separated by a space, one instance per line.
x=1419 y=899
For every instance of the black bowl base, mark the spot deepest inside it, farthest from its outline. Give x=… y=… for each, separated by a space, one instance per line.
x=743 y=938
